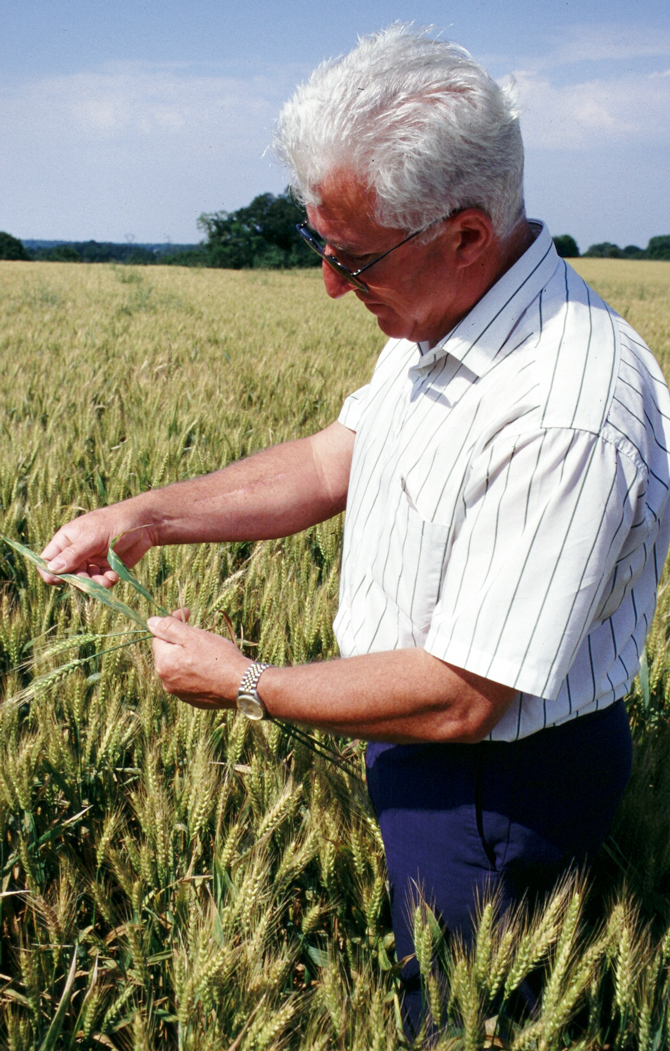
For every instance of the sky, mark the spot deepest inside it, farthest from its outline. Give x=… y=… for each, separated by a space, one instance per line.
x=126 y=120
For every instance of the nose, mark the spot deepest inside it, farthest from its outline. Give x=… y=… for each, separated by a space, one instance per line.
x=336 y=284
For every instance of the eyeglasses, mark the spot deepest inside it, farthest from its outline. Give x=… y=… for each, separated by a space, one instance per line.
x=318 y=245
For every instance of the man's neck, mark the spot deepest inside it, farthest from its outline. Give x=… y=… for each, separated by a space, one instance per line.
x=515 y=247
x=498 y=263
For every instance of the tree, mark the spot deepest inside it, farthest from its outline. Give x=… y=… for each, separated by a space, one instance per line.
x=262 y=234
x=566 y=246
x=604 y=250
x=633 y=252
x=63 y=254
x=659 y=247
x=230 y=243
x=11 y=247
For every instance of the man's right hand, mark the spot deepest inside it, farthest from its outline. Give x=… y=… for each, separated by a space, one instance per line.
x=81 y=546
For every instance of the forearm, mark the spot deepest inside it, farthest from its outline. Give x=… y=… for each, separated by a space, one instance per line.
x=274 y=493
x=402 y=696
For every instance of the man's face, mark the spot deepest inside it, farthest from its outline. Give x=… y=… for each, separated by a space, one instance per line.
x=414 y=291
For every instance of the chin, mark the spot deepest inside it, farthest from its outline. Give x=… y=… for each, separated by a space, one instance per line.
x=391 y=326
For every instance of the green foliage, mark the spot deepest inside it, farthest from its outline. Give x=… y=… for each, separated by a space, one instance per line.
x=11 y=247
x=95 y=252
x=178 y=879
x=62 y=254
x=604 y=250
x=659 y=247
x=261 y=235
x=566 y=246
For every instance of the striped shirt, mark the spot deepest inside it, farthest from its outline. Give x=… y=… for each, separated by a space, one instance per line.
x=507 y=506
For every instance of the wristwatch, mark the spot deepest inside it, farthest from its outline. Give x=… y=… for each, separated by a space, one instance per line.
x=248 y=701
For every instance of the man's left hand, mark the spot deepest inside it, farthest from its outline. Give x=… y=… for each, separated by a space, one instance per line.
x=196 y=666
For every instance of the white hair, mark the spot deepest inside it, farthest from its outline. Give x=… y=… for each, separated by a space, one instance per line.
x=418 y=121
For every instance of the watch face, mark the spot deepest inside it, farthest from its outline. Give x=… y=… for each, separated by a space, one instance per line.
x=250 y=706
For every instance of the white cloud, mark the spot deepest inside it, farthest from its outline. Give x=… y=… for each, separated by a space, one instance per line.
x=133 y=103
x=134 y=144
x=625 y=109
x=592 y=43
x=608 y=41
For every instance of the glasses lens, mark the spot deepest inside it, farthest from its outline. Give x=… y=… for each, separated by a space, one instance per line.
x=319 y=246
x=342 y=270
x=310 y=239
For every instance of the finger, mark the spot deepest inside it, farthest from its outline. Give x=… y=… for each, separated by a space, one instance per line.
x=169 y=629
x=161 y=650
x=48 y=578
x=72 y=559
x=60 y=543
x=182 y=614
x=51 y=551
x=167 y=656
x=108 y=580
x=55 y=546
x=97 y=572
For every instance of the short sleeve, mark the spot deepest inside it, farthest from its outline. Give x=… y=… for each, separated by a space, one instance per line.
x=544 y=517
x=352 y=410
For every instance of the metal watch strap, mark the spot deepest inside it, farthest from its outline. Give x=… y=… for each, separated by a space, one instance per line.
x=248 y=692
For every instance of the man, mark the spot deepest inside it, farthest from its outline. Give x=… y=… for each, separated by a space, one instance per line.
x=505 y=476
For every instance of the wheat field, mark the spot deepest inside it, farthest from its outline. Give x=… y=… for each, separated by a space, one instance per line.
x=172 y=878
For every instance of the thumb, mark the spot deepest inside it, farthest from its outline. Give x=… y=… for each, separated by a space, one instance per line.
x=169 y=629
x=69 y=558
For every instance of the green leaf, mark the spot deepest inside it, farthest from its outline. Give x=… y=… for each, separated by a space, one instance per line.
x=85 y=584
x=384 y=961
x=121 y=568
x=318 y=956
x=56 y=1026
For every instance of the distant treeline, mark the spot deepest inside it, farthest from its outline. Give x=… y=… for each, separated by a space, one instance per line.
x=261 y=235
x=88 y=251
x=101 y=252
x=658 y=248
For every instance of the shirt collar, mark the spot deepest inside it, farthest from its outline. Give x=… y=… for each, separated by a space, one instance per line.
x=478 y=337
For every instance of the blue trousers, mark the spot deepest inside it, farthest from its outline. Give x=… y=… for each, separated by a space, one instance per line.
x=460 y=820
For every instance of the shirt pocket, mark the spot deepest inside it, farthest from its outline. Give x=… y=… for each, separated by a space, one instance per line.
x=410 y=566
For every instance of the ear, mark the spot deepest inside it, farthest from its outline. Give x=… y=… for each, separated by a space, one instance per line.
x=472 y=235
